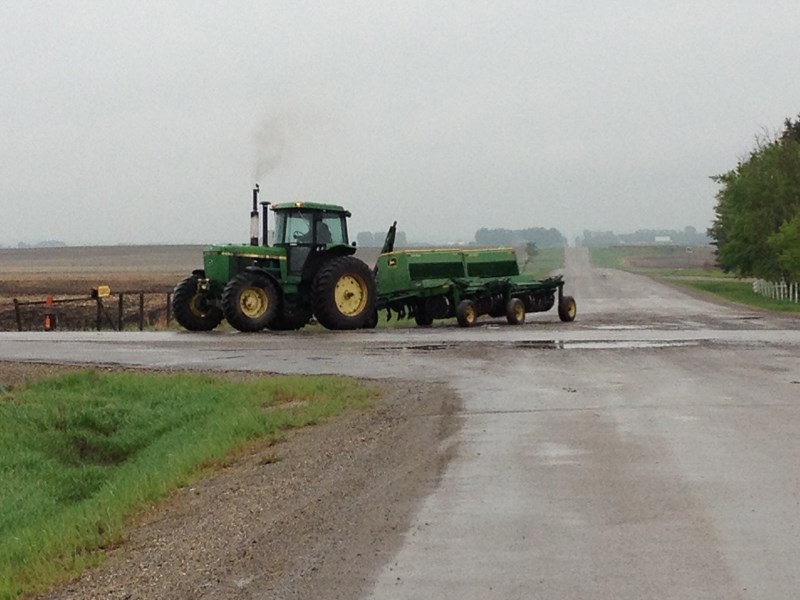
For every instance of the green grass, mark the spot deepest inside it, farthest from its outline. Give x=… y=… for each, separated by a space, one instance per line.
x=81 y=453
x=685 y=273
x=741 y=292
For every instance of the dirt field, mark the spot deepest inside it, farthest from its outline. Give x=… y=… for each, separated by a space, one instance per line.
x=701 y=257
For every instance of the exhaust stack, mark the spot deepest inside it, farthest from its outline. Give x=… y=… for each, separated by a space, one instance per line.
x=254 y=219
x=264 y=224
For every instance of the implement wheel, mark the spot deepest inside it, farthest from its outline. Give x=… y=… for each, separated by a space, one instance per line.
x=250 y=302
x=567 y=309
x=466 y=313
x=515 y=311
x=192 y=309
x=422 y=316
x=344 y=294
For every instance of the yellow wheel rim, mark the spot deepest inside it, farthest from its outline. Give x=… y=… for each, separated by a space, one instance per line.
x=469 y=314
x=572 y=309
x=351 y=295
x=519 y=311
x=253 y=302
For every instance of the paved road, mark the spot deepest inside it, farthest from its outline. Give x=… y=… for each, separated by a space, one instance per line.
x=648 y=450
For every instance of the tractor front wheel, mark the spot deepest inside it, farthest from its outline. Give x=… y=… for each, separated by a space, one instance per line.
x=344 y=294
x=250 y=302
x=191 y=307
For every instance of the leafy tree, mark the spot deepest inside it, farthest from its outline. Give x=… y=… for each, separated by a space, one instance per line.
x=786 y=243
x=756 y=207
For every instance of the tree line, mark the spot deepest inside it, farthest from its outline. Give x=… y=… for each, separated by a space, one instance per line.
x=757 y=216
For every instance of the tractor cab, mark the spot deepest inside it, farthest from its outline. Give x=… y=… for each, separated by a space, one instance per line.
x=309 y=230
x=307 y=224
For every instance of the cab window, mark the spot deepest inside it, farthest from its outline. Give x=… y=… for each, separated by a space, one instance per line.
x=331 y=229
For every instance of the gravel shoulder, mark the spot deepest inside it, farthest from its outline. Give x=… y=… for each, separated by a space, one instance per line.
x=313 y=516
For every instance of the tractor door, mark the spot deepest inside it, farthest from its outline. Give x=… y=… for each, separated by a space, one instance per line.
x=294 y=230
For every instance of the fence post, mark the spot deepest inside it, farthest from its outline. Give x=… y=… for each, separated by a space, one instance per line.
x=119 y=311
x=99 y=312
x=17 y=314
x=141 y=311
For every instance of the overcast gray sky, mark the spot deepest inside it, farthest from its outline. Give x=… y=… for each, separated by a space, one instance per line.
x=149 y=122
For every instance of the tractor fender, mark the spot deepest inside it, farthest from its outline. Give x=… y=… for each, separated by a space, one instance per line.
x=317 y=259
x=269 y=276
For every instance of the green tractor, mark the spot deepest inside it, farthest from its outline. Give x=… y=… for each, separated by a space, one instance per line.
x=308 y=270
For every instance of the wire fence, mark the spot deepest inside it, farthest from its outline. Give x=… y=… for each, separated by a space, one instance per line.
x=777 y=290
x=119 y=312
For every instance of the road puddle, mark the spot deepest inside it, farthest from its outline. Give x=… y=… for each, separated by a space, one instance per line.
x=535 y=345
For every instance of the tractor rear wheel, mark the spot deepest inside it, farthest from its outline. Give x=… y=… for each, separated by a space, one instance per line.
x=372 y=322
x=567 y=309
x=191 y=307
x=515 y=311
x=250 y=302
x=344 y=294
x=466 y=313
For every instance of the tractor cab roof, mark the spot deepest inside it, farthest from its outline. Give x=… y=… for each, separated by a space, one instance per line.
x=311 y=206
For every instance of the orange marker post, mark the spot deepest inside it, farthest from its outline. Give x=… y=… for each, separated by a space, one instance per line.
x=49 y=315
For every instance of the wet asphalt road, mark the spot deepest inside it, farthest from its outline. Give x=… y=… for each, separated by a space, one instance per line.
x=648 y=450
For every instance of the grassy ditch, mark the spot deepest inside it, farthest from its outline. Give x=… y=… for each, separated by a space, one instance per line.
x=741 y=292
x=81 y=453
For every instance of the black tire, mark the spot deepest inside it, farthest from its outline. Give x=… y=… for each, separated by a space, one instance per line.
x=291 y=319
x=250 y=302
x=567 y=309
x=422 y=316
x=372 y=322
x=466 y=313
x=344 y=294
x=192 y=309
x=515 y=311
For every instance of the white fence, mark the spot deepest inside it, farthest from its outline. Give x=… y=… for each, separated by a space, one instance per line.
x=779 y=290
